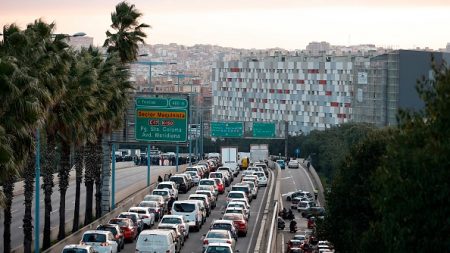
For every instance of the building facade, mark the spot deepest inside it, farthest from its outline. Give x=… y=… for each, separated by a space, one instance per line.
x=317 y=92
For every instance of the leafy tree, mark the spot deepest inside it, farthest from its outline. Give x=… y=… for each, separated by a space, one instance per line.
x=413 y=185
x=128 y=32
x=349 y=209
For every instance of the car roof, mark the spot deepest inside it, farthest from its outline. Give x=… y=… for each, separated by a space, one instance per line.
x=77 y=246
x=138 y=208
x=218 y=231
x=198 y=195
x=156 y=232
x=167 y=190
x=236 y=192
x=97 y=232
x=173 y=216
x=223 y=221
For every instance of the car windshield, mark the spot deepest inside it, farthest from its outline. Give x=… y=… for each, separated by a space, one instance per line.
x=218 y=249
x=106 y=228
x=94 y=237
x=75 y=250
x=121 y=223
x=236 y=195
x=178 y=180
x=219 y=175
x=171 y=220
x=184 y=207
x=214 y=234
x=138 y=211
x=152 y=198
x=129 y=216
x=296 y=243
x=148 y=204
x=239 y=188
x=236 y=205
x=160 y=193
x=207 y=182
x=164 y=186
x=221 y=226
x=302 y=204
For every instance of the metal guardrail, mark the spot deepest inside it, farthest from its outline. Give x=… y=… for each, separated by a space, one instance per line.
x=272 y=228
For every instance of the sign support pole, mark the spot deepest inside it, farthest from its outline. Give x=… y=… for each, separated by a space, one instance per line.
x=113 y=177
x=176 y=158
x=148 y=165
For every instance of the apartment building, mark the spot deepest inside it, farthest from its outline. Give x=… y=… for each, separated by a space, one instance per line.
x=308 y=92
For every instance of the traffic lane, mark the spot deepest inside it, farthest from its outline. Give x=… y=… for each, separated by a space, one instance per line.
x=244 y=244
x=134 y=176
x=292 y=180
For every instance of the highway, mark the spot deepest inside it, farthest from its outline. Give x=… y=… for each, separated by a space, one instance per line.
x=291 y=180
x=128 y=180
x=244 y=244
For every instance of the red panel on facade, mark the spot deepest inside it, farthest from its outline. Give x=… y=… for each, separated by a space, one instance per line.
x=322 y=81
x=234 y=70
x=280 y=91
x=254 y=110
x=261 y=110
x=251 y=100
x=272 y=91
x=313 y=71
x=264 y=100
x=328 y=93
x=301 y=81
x=287 y=92
x=334 y=104
x=347 y=105
x=229 y=79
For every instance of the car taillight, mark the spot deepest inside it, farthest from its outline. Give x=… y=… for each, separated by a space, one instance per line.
x=145 y=216
x=117 y=236
x=104 y=244
x=228 y=241
x=205 y=242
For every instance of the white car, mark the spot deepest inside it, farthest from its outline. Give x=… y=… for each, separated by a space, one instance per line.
x=219 y=247
x=232 y=195
x=71 y=248
x=195 y=176
x=154 y=207
x=218 y=236
x=236 y=204
x=147 y=217
x=171 y=186
x=101 y=241
x=262 y=179
x=303 y=206
x=293 y=164
x=176 y=219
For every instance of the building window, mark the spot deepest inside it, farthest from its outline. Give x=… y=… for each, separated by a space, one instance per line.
x=287 y=91
x=328 y=93
x=272 y=91
x=334 y=104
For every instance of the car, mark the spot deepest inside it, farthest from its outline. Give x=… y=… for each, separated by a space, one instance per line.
x=293 y=164
x=128 y=227
x=227 y=169
x=281 y=163
x=117 y=233
x=205 y=200
x=135 y=218
x=238 y=210
x=157 y=240
x=225 y=225
x=300 y=237
x=209 y=182
x=176 y=219
x=101 y=241
x=197 y=169
x=294 y=246
x=239 y=222
x=253 y=187
x=158 y=198
x=240 y=205
x=195 y=176
x=165 y=193
x=290 y=195
x=180 y=180
x=189 y=179
x=147 y=217
x=208 y=188
x=243 y=187
x=263 y=166
x=219 y=248
x=262 y=179
x=220 y=185
x=232 y=195
x=218 y=236
x=316 y=211
x=77 y=248
x=180 y=235
x=223 y=175
x=171 y=186
x=311 y=223
x=303 y=206
x=211 y=197
x=153 y=207
x=190 y=211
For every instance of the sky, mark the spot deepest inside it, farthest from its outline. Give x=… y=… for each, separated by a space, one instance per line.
x=289 y=24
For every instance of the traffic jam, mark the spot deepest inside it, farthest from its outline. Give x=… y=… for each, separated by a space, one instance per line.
x=176 y=209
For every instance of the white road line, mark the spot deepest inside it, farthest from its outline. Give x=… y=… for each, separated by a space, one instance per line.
x=310 y=181
x=257 y=218
x=282 y=242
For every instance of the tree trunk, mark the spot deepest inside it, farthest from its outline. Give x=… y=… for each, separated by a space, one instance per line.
x=8 y=188
x=98 y=176
x=48 y=168
x=63 y=175
x=89 y=177
x=28 y=174
x=106 y=175
x=78 y=162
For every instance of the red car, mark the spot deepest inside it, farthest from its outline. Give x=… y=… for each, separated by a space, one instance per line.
x=239 y=222
x=220 y=185
x=311 y=223
x=294 y=246
x=130 y=231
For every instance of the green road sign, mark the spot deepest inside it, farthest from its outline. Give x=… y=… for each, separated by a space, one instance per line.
x=161 y=119
x=227 y=129
x=263 y=130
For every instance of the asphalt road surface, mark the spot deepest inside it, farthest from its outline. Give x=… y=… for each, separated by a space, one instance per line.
x=292 y=180
x=128 y=180
x=244 y=244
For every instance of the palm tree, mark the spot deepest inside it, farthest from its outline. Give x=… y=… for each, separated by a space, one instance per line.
x=79 y=164
x=128 y=32
x=8 y=188
x=28 y=177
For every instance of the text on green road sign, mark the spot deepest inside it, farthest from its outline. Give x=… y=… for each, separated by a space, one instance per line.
x=152 y=102
x=227 y=129
x=261 y=129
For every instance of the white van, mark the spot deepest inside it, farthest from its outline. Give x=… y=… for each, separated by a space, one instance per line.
x=157 y=241
x=191 y=211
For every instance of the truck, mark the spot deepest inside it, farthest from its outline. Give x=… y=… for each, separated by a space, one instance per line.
x=259 y=153
x=244 y=158
x=230 y=157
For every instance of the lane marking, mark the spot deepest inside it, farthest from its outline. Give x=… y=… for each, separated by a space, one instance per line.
x=312 y=185
x=257 y=217
x=282 y=242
